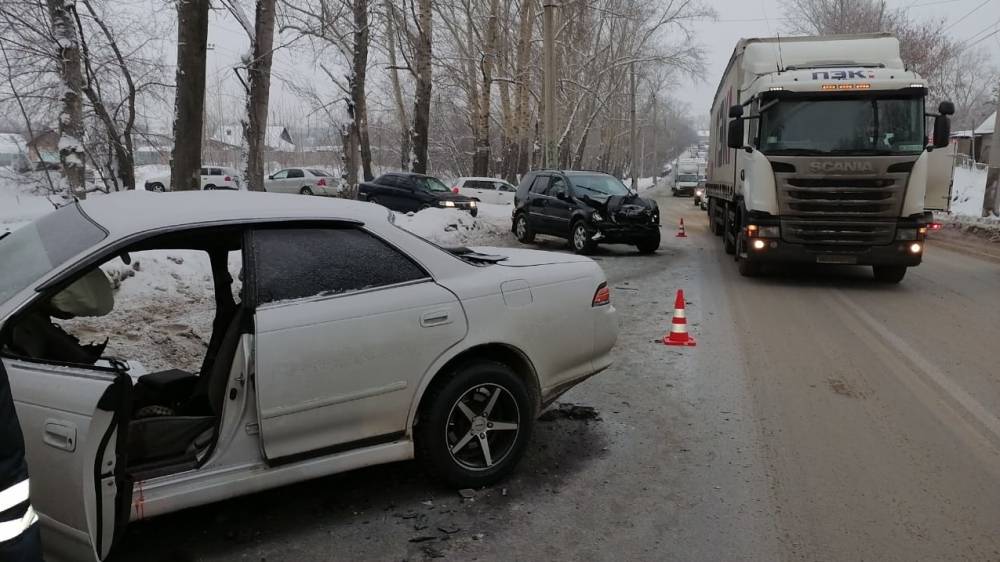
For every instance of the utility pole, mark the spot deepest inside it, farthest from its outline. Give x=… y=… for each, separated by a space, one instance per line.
x=992 y=203
x=549 y=82
x=634 y=144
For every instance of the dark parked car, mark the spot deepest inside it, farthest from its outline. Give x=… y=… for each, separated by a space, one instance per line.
x=406 y=192
x=587 y=208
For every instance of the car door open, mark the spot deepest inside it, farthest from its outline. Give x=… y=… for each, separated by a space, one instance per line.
x=346 y=327
x=74 y=421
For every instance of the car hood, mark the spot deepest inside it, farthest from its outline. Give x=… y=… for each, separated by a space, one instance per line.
x=449 y=196
x=625 y=206
x=526 y=258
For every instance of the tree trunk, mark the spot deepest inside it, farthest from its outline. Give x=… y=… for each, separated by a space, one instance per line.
x=522 y=130
x=633 y=145
x=259 y=73
x=71 y=153
x=358 y=85
x=422 y=103
x=481 y=159
x=349 y=139
x=397 y=91
x=189 y=102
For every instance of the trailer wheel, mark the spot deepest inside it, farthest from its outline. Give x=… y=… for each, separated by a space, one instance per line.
x=729 y=232
x=713 y=223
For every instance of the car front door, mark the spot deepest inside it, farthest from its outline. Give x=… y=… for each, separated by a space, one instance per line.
x=74 y=422
x=504 y=193
x=205 y=179
x=276 y=182
x=482 y=190
x=346 y=326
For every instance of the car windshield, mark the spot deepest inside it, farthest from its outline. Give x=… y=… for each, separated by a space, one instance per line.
x=35 y=249
x=843 y=126
x=598 y=186
x=687 y=177
x=432 y=184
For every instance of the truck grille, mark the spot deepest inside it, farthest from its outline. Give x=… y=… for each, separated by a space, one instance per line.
x=840 y=233
x=860 y=197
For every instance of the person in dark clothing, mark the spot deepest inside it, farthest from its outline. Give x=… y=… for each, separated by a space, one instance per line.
x=20 y=539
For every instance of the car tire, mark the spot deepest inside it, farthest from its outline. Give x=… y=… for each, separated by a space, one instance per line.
x=889 y=273
x=305 y=191
x=158 y=188
x=579 y=238
x=474 y=213
x=443 y=425
x=522 y=230
x=649 y=245
x=209 y=187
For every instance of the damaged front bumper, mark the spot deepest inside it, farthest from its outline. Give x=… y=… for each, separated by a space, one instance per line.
x=612 y=233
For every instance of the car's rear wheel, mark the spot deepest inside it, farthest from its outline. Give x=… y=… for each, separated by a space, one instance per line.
x=473 y=426
x=889 y=273
x=522 y=230
x=209 y=187
x=650 y=244
x=306 y=191
x=580 y=238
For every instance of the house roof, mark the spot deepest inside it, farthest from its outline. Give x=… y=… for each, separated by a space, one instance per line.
x=987 y=127
x=276 y=137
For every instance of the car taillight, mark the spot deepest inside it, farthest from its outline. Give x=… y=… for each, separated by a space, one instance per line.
x=935 y=226
x=321 y=182
x=454 y=189
x=228 y=178
x=602 y=296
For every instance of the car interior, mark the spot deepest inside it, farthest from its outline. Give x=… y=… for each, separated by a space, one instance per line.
x=174 y=413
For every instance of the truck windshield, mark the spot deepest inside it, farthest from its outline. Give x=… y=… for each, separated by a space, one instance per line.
x=843 y=126
x=687 y=177
x=37 y=248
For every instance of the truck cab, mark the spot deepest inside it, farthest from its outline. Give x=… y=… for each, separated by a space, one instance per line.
x=820 y=154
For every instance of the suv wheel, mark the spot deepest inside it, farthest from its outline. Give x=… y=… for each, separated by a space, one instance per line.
x=522 y=230
x=650 y=244
x=580 y=238
x=474 y=425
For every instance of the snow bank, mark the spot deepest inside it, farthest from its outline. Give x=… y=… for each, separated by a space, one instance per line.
x=968 y=190
x=450 y=227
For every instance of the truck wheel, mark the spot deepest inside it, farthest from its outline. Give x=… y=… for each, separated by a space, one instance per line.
x=580 y=238
x=889 y=273
x=728 y=237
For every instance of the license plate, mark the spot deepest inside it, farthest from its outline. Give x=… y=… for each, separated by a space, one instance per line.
x=837 y=259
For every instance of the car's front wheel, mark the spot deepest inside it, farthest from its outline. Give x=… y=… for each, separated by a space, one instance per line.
x=650 y=244
x=522 y=230
x=473 y=427
x=580 y=239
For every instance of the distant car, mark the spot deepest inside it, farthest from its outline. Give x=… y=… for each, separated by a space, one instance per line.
x=486 y=190
x=407 y=192
x=305 y=181
x=350 y=343
x=699 y=192
x=587 y=208
x=212 y=177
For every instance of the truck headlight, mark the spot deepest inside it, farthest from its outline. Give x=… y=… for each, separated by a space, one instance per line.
x=755 y=231
x=447 y=203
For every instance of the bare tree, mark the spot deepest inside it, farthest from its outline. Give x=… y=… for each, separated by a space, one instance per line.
x=481 y=159
x=392 y=28
x=424 y=84
x=189 y=104
x=71 y=154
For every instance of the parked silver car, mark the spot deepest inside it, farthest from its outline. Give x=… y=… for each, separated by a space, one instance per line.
x=305 y=181
x=349 y=342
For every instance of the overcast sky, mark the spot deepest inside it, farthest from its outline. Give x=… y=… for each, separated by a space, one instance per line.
x=737 y=18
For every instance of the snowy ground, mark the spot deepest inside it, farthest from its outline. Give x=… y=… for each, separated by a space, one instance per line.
x=968 y=191
x=449 y=227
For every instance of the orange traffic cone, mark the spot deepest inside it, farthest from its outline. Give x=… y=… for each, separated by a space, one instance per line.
x=680 y=232
x=678 y=326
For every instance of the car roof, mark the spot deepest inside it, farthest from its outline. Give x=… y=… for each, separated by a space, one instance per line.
x=481 y=178
x=126 y=213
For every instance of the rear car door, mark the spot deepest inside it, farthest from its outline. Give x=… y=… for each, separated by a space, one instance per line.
x=346 y=326
x=504 y=193
x=482 y=190
x=74 y=421
x=295 y=181
x=537 y=203
x=205 y=179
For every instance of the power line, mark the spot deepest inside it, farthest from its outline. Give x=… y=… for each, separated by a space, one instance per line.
x=983 y=38
x=931 y=4
x=976 y=36
x=967 y=14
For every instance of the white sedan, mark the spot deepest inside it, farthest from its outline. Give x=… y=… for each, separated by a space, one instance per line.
x=304 y=181
x=346 y=342
x=487 y=190
x=212 y=177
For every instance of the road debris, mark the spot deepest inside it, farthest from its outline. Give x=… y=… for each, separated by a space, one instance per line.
x=467 y=493
x=568 y=411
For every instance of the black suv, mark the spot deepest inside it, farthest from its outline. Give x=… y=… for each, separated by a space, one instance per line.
x=406 y=192
x=587 y=208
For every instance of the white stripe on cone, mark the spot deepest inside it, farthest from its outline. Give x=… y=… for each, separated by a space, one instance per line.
x=10 y=530
x=18 y=493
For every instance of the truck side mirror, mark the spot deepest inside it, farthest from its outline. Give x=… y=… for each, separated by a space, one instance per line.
x=735 y=137
x=942 y=130
x=946 y=108
x=735 y=111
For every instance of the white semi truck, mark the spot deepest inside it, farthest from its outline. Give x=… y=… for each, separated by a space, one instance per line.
x=819 y=153
x=685 y=176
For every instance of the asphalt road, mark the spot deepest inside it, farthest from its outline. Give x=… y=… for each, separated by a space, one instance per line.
x=822 y=416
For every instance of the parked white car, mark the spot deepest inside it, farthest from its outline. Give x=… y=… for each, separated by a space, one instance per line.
x=350 y=342
x=487 y=190
x=212 y=177
x=306 y=181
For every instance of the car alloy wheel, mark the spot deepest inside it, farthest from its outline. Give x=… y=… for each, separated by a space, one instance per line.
x=522 y=231
x=483 y=427
x=581 y=239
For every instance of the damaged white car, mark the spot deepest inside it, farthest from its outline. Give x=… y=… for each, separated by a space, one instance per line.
x=337 y=341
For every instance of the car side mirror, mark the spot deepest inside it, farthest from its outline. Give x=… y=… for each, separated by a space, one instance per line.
x=735 y=111
x=734 y=138
x=942 y=130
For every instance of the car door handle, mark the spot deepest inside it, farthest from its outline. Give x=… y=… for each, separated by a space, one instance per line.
x=435 y=318
x=60 y=434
